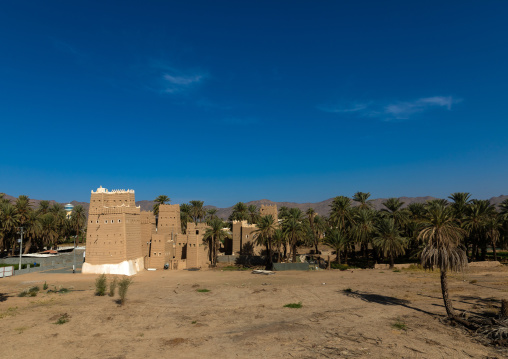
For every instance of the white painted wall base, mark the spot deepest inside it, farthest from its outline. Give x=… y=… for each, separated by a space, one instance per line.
x=129 y=267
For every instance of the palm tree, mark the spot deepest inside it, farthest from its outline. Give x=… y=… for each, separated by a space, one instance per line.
x=211 y=213
x=460 y=202
x=475 y=221
x=49 y=230
x=364 y=227
x=185 y=216
x=394 y=210
x=293 y=228
x=239 y=212
x=43 y=207
x=197 y=211
x=162 y=199
x=337 y=240
x=263 y=234
x=310 y=216
x=213 y=236
x=279 y=241
x=362 y=198
x=32 y=230
x=340 y=212
x=253 y=214
x=78 y=219
x=388 y=239
x=442 y=236
x=9 y=220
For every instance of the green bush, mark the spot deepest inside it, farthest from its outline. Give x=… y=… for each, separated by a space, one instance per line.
x=100 y=285
x=112 y=288
x=45 y=286
x=64 y=318
x=203 y=290
x=335 y=265
x=31 y=292
x=400 y=325
x=293 y=305
x=123 y=285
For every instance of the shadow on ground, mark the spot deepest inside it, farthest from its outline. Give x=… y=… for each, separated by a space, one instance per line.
x=3 y=297
x=384 y=300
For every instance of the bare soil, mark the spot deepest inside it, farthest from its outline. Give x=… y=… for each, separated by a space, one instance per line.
x=349 y=314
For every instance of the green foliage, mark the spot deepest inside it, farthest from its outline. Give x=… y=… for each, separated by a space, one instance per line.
x=342 y=267
x=293 y=305
x=31 y=292
x=400 y=325
x=347 y=290
x=112 y=287
x=45 y=286
x=203 y=290
x=64 y=318
x=100 y=285
x=396 y=270
x=123 y=285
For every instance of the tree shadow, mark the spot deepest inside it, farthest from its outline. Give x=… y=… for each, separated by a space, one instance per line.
x=3 y=297
x=384 y=300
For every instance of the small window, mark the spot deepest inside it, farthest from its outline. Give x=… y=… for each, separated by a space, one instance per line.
x=119 y=221
x=197 y=232
x=106 y=221
x=97 y=221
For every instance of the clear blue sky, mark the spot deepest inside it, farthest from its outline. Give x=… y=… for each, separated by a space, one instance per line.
x=229 y=101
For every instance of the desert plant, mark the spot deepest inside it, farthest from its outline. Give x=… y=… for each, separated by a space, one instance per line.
x=203 y=290
x=123 y=285
x=31 y=292
x=399 y=324
x=293 y=305
x=64 y=318
x=45 y=286
x=112 y=287
x=100 y=285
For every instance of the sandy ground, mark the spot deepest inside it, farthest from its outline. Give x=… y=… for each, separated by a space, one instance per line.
x=243 y=315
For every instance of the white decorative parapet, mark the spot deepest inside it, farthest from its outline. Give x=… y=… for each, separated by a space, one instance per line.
x=105 y=190
x=129 y=267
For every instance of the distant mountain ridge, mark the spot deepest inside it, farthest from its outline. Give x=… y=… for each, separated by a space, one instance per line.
x=322 y=208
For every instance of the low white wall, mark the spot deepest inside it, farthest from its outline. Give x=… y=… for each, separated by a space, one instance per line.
x=129 y=267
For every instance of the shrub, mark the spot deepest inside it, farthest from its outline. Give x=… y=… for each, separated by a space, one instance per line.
x=31 y=292
x=335 y=265
x=203 y=290
x=347 y=290
x=112 y=288
x=100 y=285
x=45 y=286
x=123 y=285
x=396 y=270
x=64 y=318
x=473 y=281
x=293 y=305
x=400 y=325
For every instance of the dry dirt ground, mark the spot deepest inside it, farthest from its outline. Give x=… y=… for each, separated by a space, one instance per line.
x=242 y=316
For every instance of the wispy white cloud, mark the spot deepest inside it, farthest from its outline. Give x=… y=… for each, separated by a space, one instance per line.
x=170 y=80
x=396 y=110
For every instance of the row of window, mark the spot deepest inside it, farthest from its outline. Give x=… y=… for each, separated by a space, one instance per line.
x=106 y=221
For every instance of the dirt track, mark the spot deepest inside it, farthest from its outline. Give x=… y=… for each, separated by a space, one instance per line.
x=243 y=315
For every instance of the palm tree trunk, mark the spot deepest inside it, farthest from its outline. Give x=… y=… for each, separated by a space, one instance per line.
x=337 y=258
x=345 y=254
x=392 y=263
x=494 y=250
x=28 y=245
x=444 y=290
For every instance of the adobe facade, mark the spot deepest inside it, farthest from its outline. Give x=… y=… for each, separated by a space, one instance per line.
x=244 y=237
x=114 y=233
x=122 y=239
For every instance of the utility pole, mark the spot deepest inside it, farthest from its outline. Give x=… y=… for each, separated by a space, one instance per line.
x=74 y=252
x=20 y=247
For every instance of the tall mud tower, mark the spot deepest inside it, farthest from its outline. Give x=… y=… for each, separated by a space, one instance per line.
x=113 y=243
